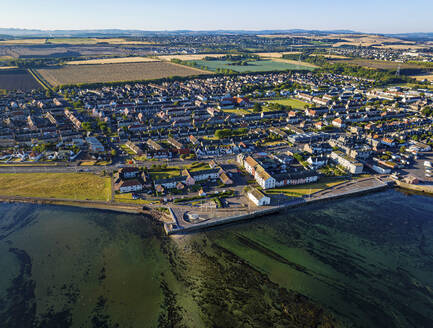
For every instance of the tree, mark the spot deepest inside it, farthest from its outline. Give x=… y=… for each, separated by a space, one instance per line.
x=257 y=107
x=87 y=126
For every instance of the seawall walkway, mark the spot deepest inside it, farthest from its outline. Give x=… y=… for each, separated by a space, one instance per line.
x=175 y=228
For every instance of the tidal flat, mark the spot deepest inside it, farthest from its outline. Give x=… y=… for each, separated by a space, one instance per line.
x=357 y=262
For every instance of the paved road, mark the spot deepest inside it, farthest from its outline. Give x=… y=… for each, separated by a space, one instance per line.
x=65 y=168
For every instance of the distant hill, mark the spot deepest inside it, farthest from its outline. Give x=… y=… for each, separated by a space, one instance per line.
x=17 y=32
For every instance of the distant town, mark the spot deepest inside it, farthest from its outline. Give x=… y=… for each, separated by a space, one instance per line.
x=221 y=142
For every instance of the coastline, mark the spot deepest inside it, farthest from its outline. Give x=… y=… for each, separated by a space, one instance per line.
x=175 y=227
x=115 y=207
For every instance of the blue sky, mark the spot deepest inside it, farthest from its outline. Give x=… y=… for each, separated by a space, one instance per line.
x=384 y=16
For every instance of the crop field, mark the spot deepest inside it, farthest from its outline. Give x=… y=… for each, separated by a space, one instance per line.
x=112 y=61
x=24 y=41
x=379 y=64
x=103 y=73
x=295 y=62
x=189 y=57
x=276 y=54
x=253 y=66
x=13 y=79
x=71 y=41
x=78 y=186
x=428 y=77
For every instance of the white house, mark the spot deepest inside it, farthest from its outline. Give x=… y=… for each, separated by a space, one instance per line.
x=264 y=179
x=350 y=164
x=258 y=198
x=129 y=186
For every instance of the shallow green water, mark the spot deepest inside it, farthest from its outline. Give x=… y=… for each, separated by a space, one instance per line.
x=359 y=262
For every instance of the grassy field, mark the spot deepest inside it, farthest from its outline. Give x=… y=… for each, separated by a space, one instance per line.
x=77 y=186
x=307 y=189
x=237 y=111
x=295 y=62
x=76 y=74
x=295 y=103
x=112 y=61
x=174 y=171
x=253 y=66
x=127 y=198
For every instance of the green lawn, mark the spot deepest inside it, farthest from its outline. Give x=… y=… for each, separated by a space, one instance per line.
x=74 y=186
x=237 y=111
x=127 y=198
x=306 y=189
x=295 y=103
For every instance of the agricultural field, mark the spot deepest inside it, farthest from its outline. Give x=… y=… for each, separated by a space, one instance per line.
x=189 y=57
x=328 y=56
x=5 y=58
x=295 y=62
x=365 y=40
x=412 y=68
x=428 y=77
x=71 y=41
x=112 y=61
x=253 y=66
x=13 y=79
x=23 y=41
x=77 y=186
x=103 y=73
x=294 y=103
x=276 y=54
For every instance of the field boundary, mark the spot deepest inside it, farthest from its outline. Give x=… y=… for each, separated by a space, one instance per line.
x=40 y=79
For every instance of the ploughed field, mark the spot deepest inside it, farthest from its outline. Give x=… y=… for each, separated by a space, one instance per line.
x=103 y=73
x=13 y=79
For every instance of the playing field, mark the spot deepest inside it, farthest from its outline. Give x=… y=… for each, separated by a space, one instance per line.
x=294 y=103
x=253 y=66
x=103 y=73
x=79 y=186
